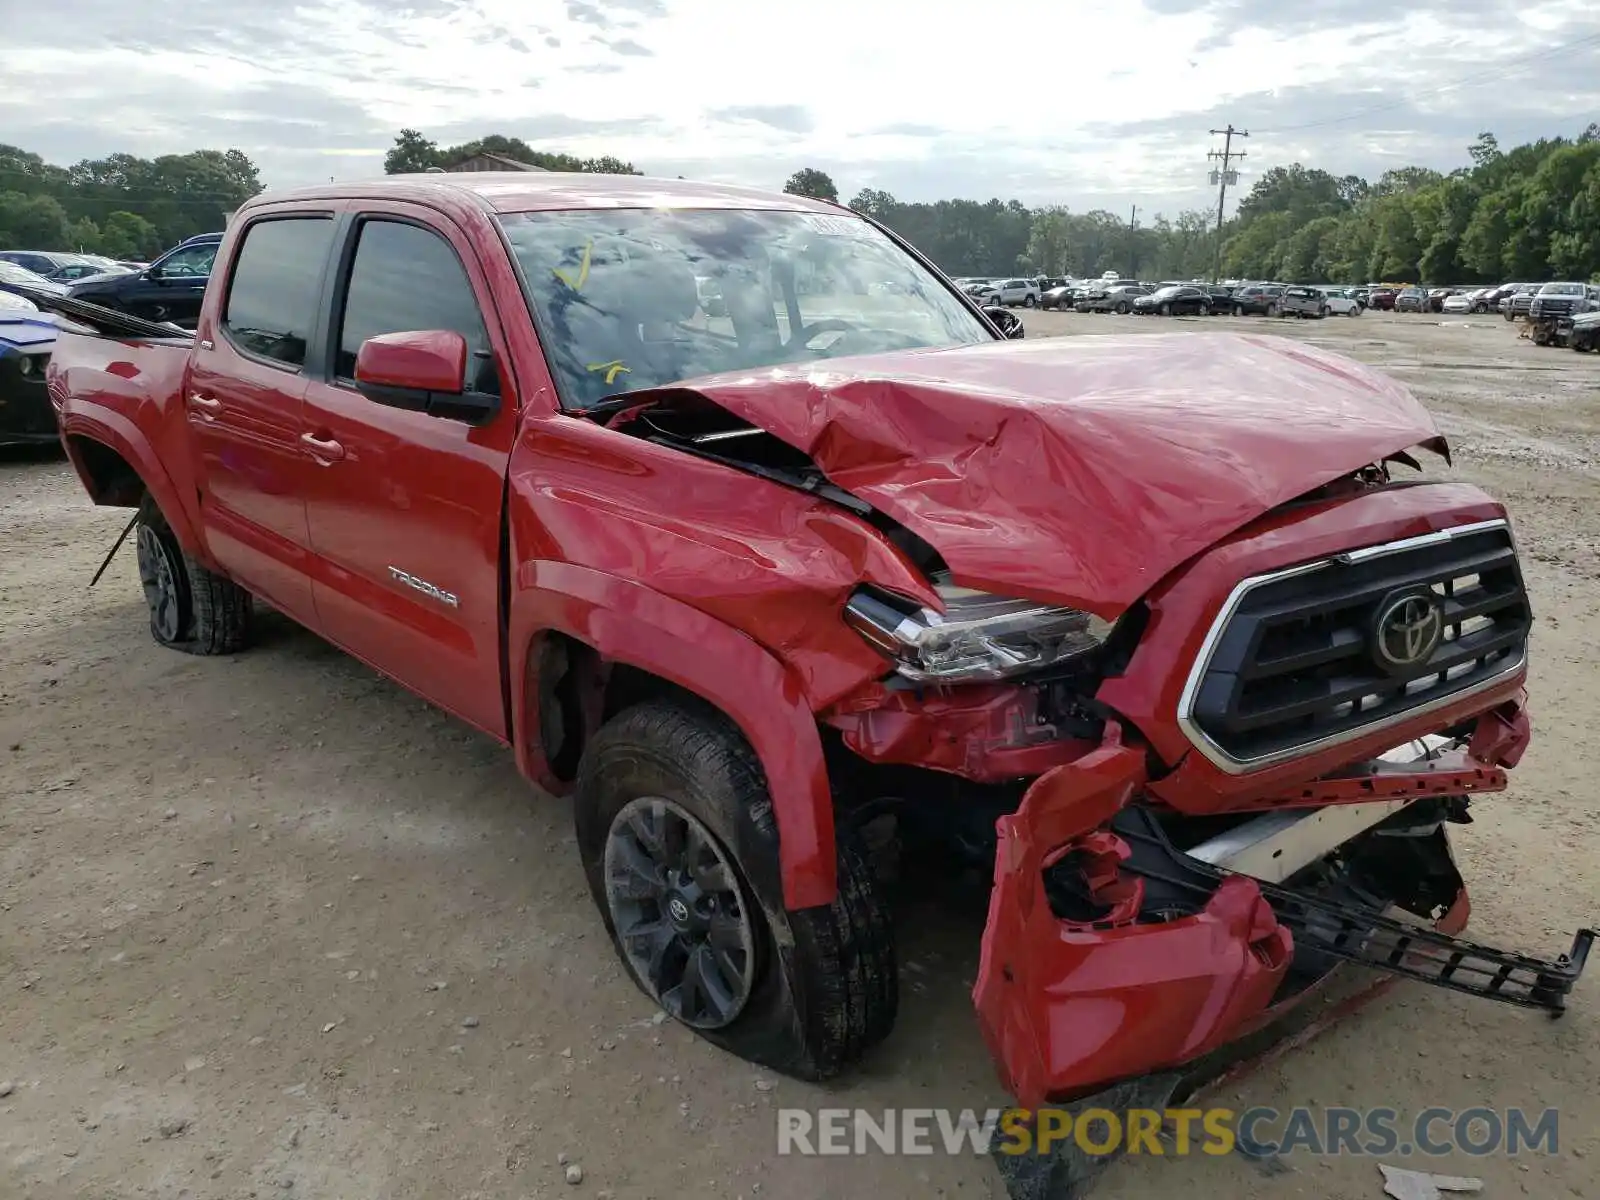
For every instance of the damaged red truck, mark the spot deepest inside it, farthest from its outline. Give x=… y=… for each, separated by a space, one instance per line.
x=738 y=522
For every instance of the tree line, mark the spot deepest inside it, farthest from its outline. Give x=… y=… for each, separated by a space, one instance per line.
x=122 y=206
x=1532 y=212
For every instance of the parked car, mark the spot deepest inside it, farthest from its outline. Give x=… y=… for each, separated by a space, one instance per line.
x=169 y=289
x=1555 y=300
x=1516 y=303
x=1303 y=302
x=1258 y=299
x=23 y=282
x=1411 y=299
x=1061 y=297
x=1585 y=332
x=1437 y=297
x=1220 y=297
x=1382 y=299
x=27 y=337
x=1117 y=298
x=1024 y=292
x=430 y=429
x=1174 y=300
x=1341 y=302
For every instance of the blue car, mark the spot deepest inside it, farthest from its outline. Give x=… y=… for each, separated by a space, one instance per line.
x=27 y=336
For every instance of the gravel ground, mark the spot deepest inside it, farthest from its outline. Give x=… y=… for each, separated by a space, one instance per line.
x=273 y=927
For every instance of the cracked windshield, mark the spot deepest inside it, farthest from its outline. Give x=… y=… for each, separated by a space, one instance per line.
x=638 y=298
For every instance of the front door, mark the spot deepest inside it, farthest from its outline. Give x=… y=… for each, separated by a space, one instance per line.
x=405 y=511
x=245 y=400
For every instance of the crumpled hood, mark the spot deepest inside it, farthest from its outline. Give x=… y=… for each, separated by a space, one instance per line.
x=1081 y=470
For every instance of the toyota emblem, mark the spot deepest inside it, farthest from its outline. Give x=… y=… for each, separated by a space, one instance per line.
x=1407 y=631
x=677 y=910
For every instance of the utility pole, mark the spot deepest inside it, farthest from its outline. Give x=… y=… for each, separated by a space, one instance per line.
x=1133 y=245
x=1222 y=176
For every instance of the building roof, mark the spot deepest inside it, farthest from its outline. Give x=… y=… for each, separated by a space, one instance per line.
x=500 y=160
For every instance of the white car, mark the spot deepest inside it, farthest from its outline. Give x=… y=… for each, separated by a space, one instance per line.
x=1461 y=302
x=1015 y=291
x=1341 y=303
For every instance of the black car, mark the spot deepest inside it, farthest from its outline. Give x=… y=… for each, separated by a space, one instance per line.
x=27 y=337
x=1256 y=300
x=169 y=289
x=1175 y=300
x=1518 y=301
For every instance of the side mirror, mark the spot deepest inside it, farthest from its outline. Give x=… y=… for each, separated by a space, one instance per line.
x=1009 y=324
x=422 y=370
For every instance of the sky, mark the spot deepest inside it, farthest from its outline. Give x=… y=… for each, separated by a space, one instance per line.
x=1087 y=103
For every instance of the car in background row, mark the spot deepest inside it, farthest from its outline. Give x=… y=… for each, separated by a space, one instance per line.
x=1411 y=299
x=1381 y=298
x=1014 y=292
x=1115 y=297
x=1258 y=300
x=59 y=265
x=1303 y=302
x=15 y=280
x=1174 y=300
x=1518 y=300
x=1342 y=302
x=27 y=336
x=1062 y=296
x=169 y=289
x=1555 y=300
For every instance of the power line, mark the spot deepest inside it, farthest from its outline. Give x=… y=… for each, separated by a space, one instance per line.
x=1510 y=66
x=1224 y=175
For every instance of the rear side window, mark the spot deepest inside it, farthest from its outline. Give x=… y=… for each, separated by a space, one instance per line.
x=277 y=283
x=406 y=278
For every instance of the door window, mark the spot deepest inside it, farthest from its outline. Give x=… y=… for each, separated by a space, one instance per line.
x=273 y=296
x=406 y=279
x=192 y=262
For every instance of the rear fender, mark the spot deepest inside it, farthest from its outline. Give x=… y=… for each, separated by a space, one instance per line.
x=627 y=623
x=97 y=424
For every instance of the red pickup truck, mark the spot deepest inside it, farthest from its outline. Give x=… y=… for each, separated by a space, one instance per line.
x=740 y=523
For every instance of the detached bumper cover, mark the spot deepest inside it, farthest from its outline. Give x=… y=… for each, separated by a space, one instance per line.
x=1068 y=1007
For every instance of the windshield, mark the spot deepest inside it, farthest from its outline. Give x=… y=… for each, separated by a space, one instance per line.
x=638 y=298
x=1562 y=289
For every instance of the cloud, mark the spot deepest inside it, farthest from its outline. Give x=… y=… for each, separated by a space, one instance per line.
x=791 y=118
x=878 y=95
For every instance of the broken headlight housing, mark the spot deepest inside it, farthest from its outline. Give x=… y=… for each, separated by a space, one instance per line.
x=979 y=637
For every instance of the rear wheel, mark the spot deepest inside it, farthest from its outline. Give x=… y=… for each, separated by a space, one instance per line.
x=1027 y=301
x=1273 y=310
x=1122 y=307
x=1166 y=310
x=192 y=609
x=679 y=844
x=1238 y=310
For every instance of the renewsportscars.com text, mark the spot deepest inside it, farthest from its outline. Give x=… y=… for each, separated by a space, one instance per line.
x=1169 y=1132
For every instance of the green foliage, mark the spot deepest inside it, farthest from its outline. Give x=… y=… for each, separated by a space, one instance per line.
x=412 y=152
x=808 y=181
x=123 y=206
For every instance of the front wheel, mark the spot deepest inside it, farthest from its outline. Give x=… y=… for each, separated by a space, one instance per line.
x=1273 y=310
x=192 y=609
x=1238 y=310
x=1166 y=310
x=1027 y=301
x=680 y=847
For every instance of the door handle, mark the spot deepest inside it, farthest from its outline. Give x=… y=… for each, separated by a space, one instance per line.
x=205 y=403
x=325 y=450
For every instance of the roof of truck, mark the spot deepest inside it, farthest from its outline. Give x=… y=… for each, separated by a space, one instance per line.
x=520 y=191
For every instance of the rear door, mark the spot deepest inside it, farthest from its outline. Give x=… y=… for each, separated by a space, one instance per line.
x=405 y=509
x=245 y=400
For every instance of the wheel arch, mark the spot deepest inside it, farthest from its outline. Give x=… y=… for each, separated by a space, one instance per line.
x=591 y=643
x=117 y=467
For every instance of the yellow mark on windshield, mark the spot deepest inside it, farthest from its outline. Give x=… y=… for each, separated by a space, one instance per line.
x=612 y=369
x=583 y=270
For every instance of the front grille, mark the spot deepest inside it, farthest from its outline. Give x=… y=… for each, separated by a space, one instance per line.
x=1296 y=661
x=1551 y=306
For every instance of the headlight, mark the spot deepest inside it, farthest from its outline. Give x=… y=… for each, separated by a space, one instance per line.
x=978 y=638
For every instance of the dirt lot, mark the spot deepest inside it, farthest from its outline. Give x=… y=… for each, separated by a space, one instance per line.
x=272 y=927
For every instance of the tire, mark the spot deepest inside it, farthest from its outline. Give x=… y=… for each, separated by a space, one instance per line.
x=1354 y=312
x=821 y=987
x=1027 y=301
x=1166 y=310
x=192 y=609
x=1238 y=310
x=1122 y=308
x=1203 y=311
x=1273 y=310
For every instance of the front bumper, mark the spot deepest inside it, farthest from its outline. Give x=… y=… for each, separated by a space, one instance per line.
x=26 y=415
x=1070 y=1005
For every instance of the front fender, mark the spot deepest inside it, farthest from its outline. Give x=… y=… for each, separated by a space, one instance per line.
x=626 y=622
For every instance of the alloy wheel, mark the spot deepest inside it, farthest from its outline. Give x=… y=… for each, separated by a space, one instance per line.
x=158 y=574
x=680 y=913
